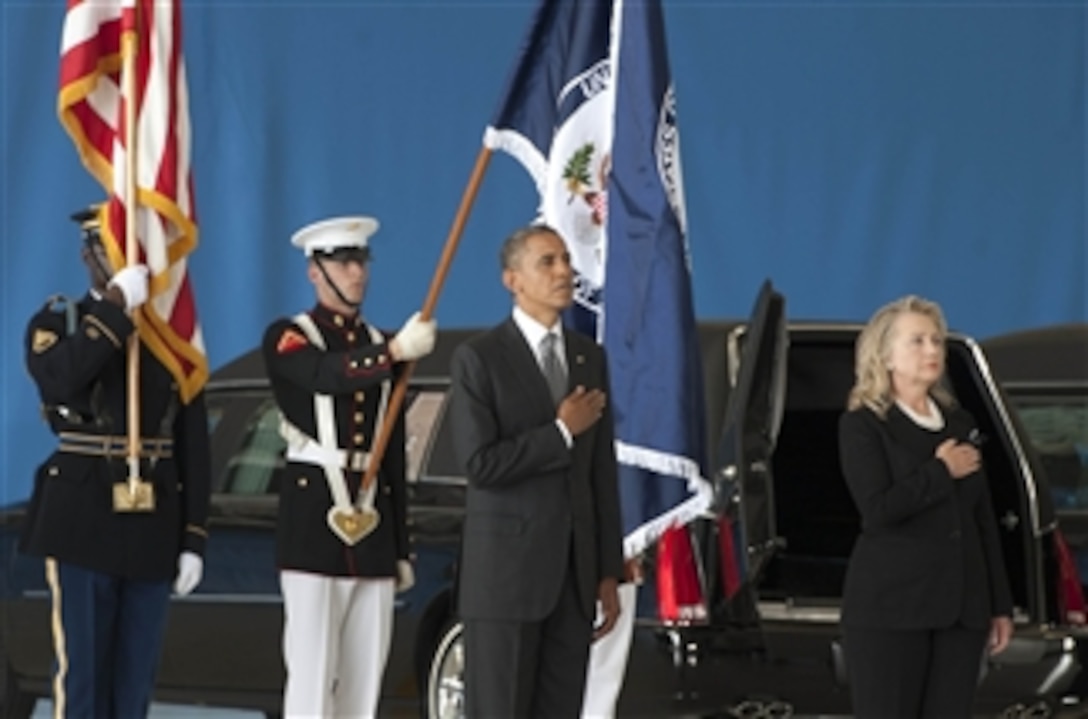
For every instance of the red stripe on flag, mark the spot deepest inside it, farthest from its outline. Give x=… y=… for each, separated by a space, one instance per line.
x=98 y=132
x=83 y=60
x=183 y=318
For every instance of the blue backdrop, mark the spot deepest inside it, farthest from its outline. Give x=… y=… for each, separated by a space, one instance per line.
x=851 y=151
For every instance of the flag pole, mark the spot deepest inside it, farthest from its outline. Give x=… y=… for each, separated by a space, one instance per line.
x=137 y=495
x=377 y=450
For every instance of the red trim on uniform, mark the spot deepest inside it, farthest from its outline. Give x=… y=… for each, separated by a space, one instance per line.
x=361 y=369
x=290 y=341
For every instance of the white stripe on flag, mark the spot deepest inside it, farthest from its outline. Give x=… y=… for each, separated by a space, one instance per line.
x=105 y=99
x=82 y=22
x=184 y=140
x=157 y=111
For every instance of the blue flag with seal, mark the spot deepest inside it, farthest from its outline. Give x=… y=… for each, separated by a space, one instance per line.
x=590 y=112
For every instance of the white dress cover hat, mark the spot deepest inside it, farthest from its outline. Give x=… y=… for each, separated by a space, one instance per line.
x=332 y=234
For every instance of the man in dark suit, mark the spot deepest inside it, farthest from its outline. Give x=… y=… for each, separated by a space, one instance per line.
x=110 y=568
x=542 y=546
x=332 y=373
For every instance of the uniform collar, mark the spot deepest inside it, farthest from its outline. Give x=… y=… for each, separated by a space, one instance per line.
x=331 y=317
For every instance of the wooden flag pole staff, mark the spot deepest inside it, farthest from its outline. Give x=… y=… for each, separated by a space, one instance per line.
x=137 y=495
x=377 y=451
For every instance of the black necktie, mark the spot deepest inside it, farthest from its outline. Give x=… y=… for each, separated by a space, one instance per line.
x=553 y=368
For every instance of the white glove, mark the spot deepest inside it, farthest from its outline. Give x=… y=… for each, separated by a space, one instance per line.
x=132 y=281
x=406 y=576
x=190 y=571
x=416 y=338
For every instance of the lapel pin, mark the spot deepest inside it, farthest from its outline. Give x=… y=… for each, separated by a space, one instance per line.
x=580 y=359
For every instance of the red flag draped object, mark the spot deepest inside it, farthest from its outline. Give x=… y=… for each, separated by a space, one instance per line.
x=91 y=104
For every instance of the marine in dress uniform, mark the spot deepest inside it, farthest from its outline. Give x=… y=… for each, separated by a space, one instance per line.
x=332 y=376
x=110 y=572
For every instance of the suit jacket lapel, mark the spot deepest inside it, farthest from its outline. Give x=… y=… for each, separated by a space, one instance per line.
x=522 y=359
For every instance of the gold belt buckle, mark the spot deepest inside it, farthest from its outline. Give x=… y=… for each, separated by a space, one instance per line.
x=357 y=460
x=138 y=496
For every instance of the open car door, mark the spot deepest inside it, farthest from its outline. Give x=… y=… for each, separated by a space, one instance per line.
x=734 y=545
x=743 y=484
x=742 y=537
x=705 y=571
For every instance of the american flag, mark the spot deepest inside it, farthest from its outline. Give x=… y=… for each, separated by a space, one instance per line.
x=97 y=37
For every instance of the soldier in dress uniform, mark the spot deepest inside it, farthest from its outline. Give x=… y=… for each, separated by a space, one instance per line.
x=110 y=571
x=332 y=375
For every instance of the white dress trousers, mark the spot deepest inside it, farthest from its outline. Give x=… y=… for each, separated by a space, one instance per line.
x=336 y=637
x=608 y=660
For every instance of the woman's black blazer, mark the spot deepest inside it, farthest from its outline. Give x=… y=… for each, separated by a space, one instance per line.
x=928 y=554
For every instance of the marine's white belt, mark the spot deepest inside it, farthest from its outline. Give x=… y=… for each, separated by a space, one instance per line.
x=311 y=452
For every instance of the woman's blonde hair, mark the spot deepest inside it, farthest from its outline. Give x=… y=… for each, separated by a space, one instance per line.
x=872 y=379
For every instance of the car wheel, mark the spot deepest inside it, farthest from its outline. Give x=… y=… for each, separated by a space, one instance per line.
x=446 y=676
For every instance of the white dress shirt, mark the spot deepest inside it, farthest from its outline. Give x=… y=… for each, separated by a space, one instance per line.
x=534 y=333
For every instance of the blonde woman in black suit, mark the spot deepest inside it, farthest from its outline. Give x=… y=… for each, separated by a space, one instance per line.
x=926 y=592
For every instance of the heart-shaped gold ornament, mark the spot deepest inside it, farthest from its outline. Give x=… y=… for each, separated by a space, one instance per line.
x=351 y=525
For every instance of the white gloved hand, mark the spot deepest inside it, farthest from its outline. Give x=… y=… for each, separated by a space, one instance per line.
x=416 y=338
x=406 y=576
x=190 y=572
x=132 y=281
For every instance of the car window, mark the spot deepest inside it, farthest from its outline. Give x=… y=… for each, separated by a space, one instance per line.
x=251 y=467
x=420 y=419
x=247 y=445
x=1016 y=509
x=1058 y=430
x=440 y=464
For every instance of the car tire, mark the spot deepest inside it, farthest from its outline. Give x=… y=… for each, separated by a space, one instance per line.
x=446 y=675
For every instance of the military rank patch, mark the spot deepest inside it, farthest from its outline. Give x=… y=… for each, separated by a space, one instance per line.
x=43 y=340
x=290 y=341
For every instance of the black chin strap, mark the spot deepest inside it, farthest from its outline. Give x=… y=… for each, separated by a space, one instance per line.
x=89 y=241
x=339 y=294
